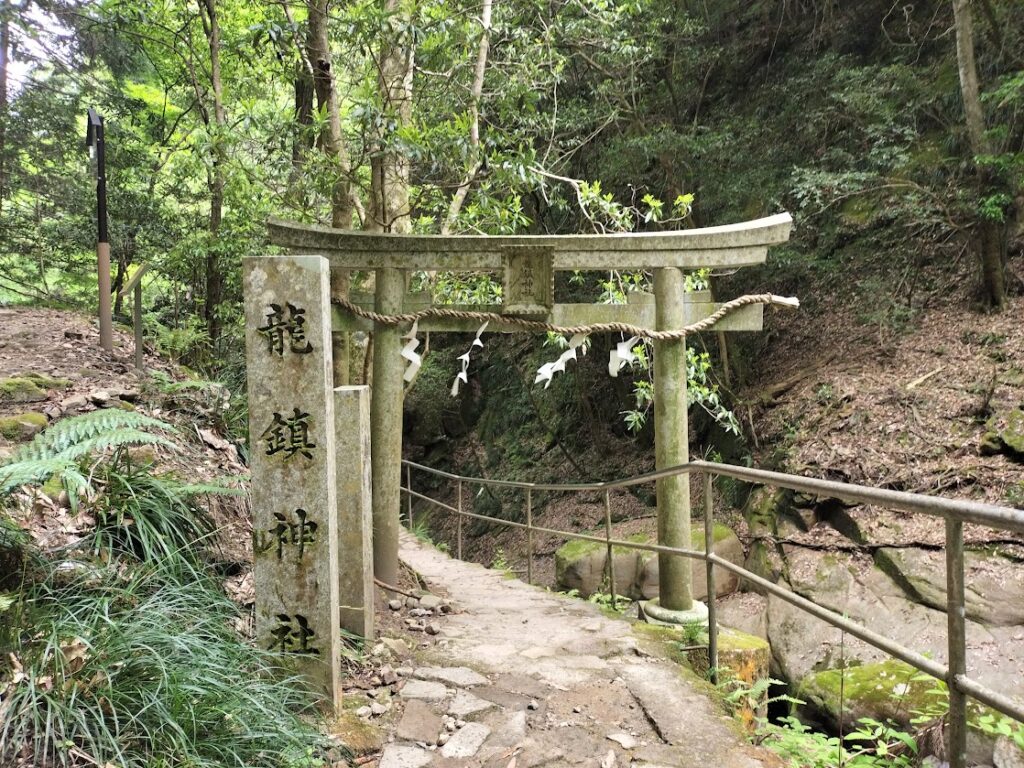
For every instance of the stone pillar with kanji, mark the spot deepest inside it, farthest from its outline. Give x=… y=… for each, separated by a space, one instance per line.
x=292 y=458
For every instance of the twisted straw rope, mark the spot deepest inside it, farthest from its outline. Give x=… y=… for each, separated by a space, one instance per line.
x=539 y=326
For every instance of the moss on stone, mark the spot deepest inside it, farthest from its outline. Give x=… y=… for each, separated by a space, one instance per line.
x=22 y=426
x=577 y=548
x=47 y=382
x=29 y=388
x=732 y=640
x=361 y=736
x=883 y=690
x=19 y=389
x=1005 y=433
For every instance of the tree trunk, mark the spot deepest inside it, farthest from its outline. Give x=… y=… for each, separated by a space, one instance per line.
x=990 y=234
x=389 y=169
x=476 y=92
x=215 y=178
x=5 y=44
x=327 y=102
x=302 y=140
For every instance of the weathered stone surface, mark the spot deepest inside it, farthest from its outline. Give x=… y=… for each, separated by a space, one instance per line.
x=466 y=705
x=291 y=428
x=993 y=590
x=461 y=677
x=403 y=756
x=419 y=723
x=355 y=509
x=802 y=645
x=423 y=689
x=1007 y=754
x=883 y=690
x=581 y=565
x=21 y=389
x=466 y=741
x=430 y=602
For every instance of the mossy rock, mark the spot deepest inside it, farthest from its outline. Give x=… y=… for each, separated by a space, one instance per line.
x=21 y=389
x=1005 y=434
x=886 y=690
x=361 y=736
x=22 y=426
x=29 y=388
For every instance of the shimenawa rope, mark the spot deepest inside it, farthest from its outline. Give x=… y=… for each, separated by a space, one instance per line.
x=540 y=326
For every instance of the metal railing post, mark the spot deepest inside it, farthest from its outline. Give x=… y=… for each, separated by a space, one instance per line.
x=957 y=643
x=458 y=534
x=529 y=536
x=709 y=544
x=608 y=537
x=408 y=485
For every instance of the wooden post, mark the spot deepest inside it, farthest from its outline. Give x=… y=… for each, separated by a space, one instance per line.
x=386 y=423
x=671 y=446
x=137 y=327
x=103 y=282
x=458 y=532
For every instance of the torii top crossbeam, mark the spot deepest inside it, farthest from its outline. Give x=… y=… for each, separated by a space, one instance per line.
x=734 y=245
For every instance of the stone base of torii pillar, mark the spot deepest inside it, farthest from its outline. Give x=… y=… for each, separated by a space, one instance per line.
x=652 y=612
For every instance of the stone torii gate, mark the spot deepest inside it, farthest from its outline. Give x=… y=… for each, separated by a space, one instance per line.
x=527 y=265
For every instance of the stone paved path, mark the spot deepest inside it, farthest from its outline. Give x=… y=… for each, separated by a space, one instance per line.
x=522 y=677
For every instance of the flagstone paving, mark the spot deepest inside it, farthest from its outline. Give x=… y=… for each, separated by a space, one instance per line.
x=521 y=677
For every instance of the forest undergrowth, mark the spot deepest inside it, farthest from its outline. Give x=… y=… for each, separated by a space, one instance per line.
x=121 y=647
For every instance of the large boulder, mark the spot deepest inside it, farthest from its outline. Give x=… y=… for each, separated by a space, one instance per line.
x=581 y=566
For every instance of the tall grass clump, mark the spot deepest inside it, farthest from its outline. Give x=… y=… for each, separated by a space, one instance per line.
x=119 y=649
x=145 y=670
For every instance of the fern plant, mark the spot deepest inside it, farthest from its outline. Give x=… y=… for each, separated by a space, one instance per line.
x=58 y=450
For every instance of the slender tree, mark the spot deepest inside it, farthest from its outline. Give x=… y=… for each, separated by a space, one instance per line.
x=991 y=233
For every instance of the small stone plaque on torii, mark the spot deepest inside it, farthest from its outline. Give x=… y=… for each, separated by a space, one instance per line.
x=529 y=281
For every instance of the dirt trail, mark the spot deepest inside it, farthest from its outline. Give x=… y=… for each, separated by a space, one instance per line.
x=540 y=679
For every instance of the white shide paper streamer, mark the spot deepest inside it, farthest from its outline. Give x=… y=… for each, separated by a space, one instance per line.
x=547 y=371
x=463 y=375
x=622 y=355
x=409 y=353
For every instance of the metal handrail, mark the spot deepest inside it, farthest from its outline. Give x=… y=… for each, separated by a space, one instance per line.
x=954 y=512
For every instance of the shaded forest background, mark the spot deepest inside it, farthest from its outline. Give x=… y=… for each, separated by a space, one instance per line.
x=506 y=117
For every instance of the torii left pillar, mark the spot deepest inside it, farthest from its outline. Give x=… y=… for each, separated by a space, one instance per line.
x=386 y=426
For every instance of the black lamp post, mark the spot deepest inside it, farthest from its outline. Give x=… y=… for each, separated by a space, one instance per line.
x=94 y=141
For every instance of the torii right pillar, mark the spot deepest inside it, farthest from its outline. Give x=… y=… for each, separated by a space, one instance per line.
x=671 y=448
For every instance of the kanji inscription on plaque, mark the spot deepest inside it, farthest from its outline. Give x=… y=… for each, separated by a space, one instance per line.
x=288 y=434
x=288 y=536
x=292 y=635
x=286 y=322
x=529 y=284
